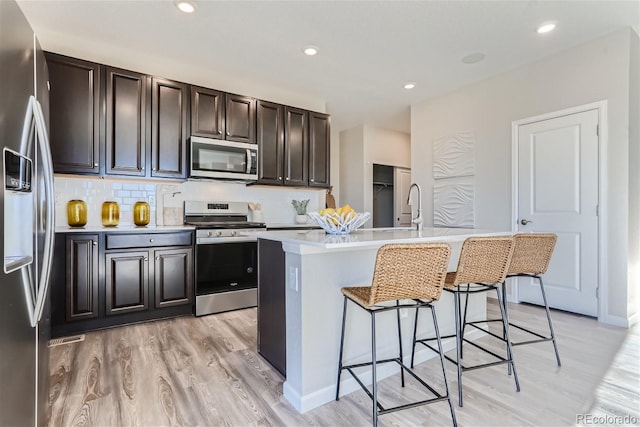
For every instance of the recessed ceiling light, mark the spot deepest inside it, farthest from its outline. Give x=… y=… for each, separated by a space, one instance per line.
x=310 y=50
x=472 y=58
x=185 y=6
x=409 y=85
x=545 y=28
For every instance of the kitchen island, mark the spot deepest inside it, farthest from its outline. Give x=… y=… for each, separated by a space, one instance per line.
x=307 y=269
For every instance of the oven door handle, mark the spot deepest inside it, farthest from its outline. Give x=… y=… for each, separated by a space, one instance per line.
x=248 y=161
x=218 y=240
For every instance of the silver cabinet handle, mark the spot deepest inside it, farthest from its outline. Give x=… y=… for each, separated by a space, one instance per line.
x=151 y=240
x=95 y=165
x=228 y=133
x=311 y=179
x=94 y=243
x=219 y=132
x=154 y=169
x=280 y=178
x=146 y=259
x=287 y=178
x=525 y=221
x=157 y=257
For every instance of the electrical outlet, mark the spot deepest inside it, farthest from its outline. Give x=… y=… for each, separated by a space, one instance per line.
x=293 y=278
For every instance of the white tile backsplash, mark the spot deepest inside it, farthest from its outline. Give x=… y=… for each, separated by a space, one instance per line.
x=95 y=191
x=275 y=201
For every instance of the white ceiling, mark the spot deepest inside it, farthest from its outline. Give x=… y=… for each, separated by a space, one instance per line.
x=368 y=49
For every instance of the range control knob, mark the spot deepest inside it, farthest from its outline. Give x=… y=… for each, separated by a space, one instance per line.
x=209 y=234
x=233 y=233
x=218 y=233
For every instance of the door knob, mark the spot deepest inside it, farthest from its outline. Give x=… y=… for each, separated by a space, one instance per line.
x=525 y=221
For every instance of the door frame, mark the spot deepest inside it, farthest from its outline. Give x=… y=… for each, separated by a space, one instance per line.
x=601 y=107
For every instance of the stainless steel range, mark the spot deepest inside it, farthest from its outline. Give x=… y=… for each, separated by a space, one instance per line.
x=226 y=262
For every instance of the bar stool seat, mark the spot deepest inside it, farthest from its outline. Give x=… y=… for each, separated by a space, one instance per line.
x=531 y=257
x=413 y=273
x=482 y=267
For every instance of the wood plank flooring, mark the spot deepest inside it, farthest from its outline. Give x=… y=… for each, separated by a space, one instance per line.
x=206 y=371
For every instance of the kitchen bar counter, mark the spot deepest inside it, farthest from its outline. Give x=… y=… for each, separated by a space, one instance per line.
x=316 y=266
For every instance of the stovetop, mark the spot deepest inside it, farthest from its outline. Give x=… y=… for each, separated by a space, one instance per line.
x=219 y=215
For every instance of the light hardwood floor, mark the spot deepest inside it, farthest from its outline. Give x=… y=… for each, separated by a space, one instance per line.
x=206 y=371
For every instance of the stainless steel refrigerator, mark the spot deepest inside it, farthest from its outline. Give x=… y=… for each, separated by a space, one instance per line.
x=27 y=209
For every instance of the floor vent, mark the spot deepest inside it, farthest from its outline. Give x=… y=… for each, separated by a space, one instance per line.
x=66 y=340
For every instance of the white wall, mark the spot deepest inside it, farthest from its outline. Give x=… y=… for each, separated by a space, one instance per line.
x=590 y=72
x=360 y=148
x=352 y=168
x=633 y=301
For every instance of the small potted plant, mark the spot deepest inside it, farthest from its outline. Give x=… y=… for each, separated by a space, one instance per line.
x=301 y=210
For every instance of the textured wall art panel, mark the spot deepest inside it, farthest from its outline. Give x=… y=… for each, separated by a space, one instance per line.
x=453 y=155
x=453 y=205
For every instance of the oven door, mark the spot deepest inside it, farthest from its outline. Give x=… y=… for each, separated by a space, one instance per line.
x=212 y=158
x=224 y=267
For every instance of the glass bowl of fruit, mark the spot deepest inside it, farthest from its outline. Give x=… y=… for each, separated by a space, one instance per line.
x=339 y=221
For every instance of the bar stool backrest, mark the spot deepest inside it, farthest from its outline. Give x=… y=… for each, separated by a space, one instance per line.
x=409 y=271
x=483 y=260
x=532 y=253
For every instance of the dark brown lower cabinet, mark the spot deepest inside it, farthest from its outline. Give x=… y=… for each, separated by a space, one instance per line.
x=173 y=277
x=272 y=320
x=127 y=282
x=81 y=288
x=109 y=279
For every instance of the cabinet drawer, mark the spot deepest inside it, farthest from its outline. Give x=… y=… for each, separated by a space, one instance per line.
x=123 y=241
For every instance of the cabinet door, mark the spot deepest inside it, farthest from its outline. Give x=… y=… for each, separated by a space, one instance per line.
x=169 y=102
x=207 y=112
x=270 y=137
x=74 y=100
x=82 y=277
x=126 y=281
x=319 y=141
x=295 y=147
x=240 y=118
x=126 y=104
x=173 y=277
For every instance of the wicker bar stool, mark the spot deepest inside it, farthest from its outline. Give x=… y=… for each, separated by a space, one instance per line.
x=531 y=258
x=482 y=267
x=414 y=272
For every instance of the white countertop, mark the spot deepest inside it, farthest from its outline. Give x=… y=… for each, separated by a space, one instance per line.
x=372 y=236
x=123 y=228
x=283 y=225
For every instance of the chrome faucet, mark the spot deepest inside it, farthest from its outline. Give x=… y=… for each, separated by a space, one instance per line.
x=418 y=219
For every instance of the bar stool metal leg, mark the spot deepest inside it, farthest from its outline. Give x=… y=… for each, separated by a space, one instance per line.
x=546 y=307
x=506 y=314
x=415 y=329
x=508 y=339
x=441 y=354
x=373 y=369
x=400 y=343
x=458 y=347
x=344 y=315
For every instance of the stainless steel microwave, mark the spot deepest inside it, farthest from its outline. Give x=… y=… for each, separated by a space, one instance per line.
x=214 y=158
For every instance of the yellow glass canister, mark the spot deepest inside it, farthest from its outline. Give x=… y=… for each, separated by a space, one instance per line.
x=110 y=214
x=141 y=213
x=77 y=213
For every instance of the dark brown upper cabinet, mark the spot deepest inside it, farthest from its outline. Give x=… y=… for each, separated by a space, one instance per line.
x=169 y=102
x=74 y=114
x=319 y=142
x=240 y=120
x=296 y=147
x=207 y=113
x=126 y=121
x=270 y=138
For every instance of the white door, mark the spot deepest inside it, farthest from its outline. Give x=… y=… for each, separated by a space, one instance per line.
x=558 y=192
x=401 y=210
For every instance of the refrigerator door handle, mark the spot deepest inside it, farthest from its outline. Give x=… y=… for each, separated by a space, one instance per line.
x=49 y=220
